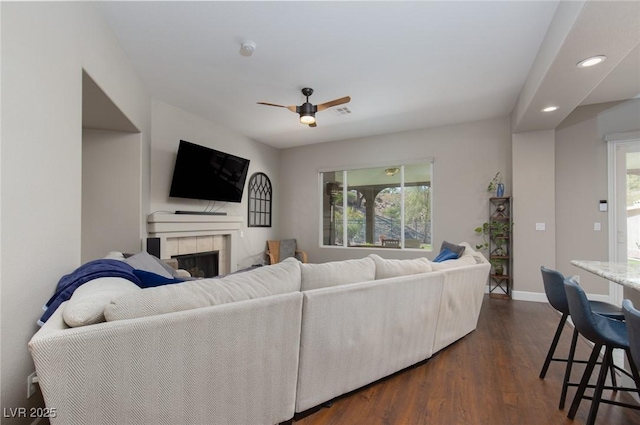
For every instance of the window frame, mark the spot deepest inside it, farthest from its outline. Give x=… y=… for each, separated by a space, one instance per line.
x=345 y=169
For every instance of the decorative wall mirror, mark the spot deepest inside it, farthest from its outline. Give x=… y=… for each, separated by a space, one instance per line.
x=260 y=199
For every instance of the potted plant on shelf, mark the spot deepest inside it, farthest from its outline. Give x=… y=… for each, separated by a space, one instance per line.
x=484 y=232
x=498 y=266
x=493 y=230
x=496 y=185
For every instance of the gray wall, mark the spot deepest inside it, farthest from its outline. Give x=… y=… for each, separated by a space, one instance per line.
x=534 y=202
x=45 y=47
x=466 y=157
x=581 y=182
x=170 y=125
x=111 y=193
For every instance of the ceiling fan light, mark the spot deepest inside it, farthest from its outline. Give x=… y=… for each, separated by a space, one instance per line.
x=392 y=171
x=307 y=119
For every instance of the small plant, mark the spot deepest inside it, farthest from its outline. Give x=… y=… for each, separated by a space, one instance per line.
x=498 y=265
x=484 y=231
x=493 y=230
x=493 y=184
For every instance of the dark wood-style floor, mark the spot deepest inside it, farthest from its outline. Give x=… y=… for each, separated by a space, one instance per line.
x=489 y=377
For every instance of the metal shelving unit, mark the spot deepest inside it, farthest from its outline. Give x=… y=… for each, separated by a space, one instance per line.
x=500 y=247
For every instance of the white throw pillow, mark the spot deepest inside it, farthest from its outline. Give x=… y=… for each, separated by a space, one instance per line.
x=337 y=273
x=114 y=255
x=261 y=282
x=86 y=306
x=393 y=268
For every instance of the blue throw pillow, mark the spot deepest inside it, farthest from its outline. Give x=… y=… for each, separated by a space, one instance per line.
x=150 y=280
x=445 y=255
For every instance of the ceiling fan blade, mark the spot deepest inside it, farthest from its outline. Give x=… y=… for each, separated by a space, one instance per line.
x=336 y=102
x=291 y=108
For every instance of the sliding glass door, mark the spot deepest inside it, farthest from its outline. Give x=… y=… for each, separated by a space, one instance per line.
x=627 y=202
x=624 y=204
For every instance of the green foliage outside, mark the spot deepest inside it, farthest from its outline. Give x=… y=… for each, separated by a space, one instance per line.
x=388 y=215
x=633 y=189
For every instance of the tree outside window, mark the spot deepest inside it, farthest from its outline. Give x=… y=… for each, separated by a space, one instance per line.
x=386 y=206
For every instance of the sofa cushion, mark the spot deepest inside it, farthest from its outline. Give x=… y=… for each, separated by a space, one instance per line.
x=458 y=249
x=445 y=255
x=468 y=258
x=336 y=273
x=287 y=248
x=150 y=280
x=87 y=303
x=147 y=262
x=261 y=282
x=391 y=268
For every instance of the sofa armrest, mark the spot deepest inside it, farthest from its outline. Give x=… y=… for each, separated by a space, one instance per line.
x=462 y=295
x=301 y=255
x=272 y=259
x=208 y=365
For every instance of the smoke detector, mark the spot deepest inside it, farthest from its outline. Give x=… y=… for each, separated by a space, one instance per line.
x=247 y=48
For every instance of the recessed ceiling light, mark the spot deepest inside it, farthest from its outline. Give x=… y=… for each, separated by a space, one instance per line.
x=550 y=109
x=593 y=60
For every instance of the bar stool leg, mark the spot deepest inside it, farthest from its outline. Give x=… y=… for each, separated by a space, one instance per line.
x=554 y=344
x=567 y=372
x=602 y=377
x=614 y=379
x=584 y=381
x=634 y=368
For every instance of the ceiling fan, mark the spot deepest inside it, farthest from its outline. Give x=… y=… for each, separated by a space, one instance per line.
x=307 y=111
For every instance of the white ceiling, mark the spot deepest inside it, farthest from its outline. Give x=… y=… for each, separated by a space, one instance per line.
x=406 y=65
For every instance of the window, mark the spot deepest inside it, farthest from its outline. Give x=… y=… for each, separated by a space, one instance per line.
x=260 y=198
x=384 y=207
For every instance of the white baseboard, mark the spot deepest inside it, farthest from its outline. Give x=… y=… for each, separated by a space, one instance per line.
x=525 y=296
x=529 y=296
x=541 y=297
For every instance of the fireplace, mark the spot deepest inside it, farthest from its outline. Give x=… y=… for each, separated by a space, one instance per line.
x=201 y=264
x=184 y=234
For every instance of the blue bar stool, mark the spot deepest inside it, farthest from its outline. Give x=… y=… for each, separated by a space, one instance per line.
x=632 y=317
x=603 y=332
x=554 y=289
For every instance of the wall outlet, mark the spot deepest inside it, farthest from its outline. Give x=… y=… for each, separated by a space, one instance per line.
x=32 y=380
x=540 y=226
x=597 y=227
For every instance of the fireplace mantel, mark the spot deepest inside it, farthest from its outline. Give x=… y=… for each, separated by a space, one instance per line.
x=187 y=234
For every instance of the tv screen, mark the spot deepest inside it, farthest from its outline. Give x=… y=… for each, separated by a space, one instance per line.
x=205 y=173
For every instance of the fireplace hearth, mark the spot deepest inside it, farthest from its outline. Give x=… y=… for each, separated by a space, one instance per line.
x=200 y=264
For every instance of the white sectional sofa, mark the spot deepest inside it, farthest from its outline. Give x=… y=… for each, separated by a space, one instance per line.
x=254 y=347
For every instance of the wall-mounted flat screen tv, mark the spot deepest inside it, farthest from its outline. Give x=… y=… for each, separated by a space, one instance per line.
x=205 y=173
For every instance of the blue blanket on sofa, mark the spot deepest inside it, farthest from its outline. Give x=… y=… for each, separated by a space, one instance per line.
x=83 y=274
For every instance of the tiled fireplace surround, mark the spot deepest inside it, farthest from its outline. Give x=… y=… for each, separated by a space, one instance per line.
x=189 y=234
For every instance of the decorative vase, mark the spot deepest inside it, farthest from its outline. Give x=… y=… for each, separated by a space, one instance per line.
x=500 y=190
